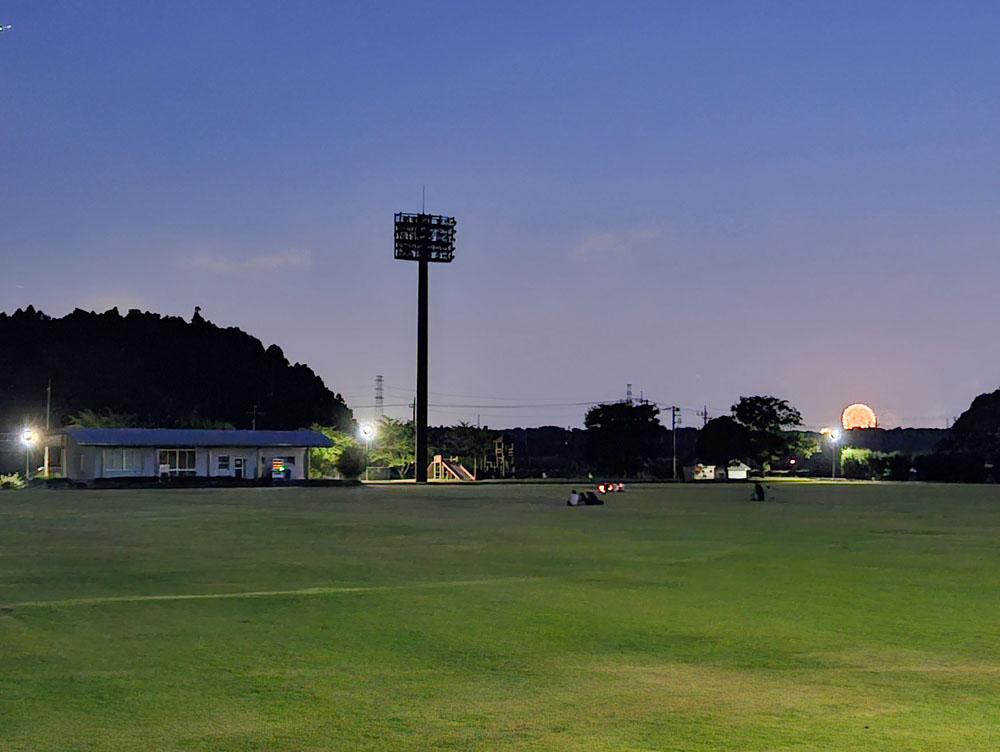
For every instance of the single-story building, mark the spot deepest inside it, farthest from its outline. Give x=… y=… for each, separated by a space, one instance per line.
x=90 y=453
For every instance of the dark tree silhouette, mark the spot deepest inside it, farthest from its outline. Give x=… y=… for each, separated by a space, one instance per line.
x=768 y=419
x=161 y=371
x=723 y=439
x=766 y=414
x=978 y=428
x=623 y=437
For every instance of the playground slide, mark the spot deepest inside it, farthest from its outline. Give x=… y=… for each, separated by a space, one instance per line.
x=458 y=470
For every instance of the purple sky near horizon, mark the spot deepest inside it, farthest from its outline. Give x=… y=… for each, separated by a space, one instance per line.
x=705 y=200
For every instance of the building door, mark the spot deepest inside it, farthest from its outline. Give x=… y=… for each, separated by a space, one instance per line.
x=237 y=467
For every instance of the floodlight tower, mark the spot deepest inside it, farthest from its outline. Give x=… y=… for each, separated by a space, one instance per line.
x=423 y=238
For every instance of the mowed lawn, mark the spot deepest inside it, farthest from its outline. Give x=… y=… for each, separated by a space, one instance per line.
x=838 y=617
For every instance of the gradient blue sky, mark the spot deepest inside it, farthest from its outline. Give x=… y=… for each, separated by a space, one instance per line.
x=703 y=199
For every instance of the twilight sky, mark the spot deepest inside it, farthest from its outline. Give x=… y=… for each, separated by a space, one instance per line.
x=704 y=199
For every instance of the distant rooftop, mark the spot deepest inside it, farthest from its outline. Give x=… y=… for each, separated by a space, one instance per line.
x=195 y=437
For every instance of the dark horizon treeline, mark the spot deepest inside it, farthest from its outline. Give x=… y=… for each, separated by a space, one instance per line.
x=143 y=369
x=561 y=452
x=149 y=370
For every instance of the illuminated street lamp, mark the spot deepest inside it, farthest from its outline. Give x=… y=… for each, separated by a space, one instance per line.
x=367 y=432
x=27 y=436
x=834 y=436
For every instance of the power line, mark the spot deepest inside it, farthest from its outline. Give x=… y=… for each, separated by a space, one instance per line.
x=402 y=390
x=485 y=407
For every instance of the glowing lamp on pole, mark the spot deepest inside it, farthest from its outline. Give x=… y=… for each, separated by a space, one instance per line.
x=27 y=437
x=367 y=432
x=834 y=436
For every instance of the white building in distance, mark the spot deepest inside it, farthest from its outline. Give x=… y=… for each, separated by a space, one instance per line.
x=90 y=453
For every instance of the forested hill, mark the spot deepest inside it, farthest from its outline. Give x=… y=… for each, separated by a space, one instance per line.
x=151 y=370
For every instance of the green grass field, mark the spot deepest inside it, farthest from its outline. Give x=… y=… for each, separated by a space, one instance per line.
x=839 y=617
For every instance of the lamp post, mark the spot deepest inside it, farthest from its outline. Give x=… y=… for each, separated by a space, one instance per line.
x=367 y=431
x=834 y=436
x=27 y=436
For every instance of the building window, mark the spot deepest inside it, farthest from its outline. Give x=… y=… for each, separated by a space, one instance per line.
x=177 y=461
x=223 y=462
x=120 y=460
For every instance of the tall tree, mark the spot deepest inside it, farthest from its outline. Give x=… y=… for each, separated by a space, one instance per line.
x=323 y=460
x=723 y=439
x=768 y=420
x=623 y=437
x=766 y=414
x=393 y=446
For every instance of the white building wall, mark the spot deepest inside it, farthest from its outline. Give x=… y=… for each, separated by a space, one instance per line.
x=295 y=458
x=247 y=454
x=87 y=462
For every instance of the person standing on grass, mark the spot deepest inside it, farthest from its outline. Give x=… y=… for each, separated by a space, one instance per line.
x=758 y=491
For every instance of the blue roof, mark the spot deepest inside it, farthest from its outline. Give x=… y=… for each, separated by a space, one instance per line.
x=195 y=437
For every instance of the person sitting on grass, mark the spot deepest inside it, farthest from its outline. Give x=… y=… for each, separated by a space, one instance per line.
x=574 y=499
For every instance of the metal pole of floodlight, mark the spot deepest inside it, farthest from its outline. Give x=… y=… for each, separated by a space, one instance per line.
x=423 y=238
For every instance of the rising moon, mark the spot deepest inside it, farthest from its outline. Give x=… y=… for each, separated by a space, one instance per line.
x=858 y=415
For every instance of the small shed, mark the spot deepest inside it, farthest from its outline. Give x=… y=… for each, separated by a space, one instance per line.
x=737 y=470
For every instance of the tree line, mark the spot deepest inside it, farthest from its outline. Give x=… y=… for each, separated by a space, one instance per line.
x=627 y=440
x=621 y=440
x=143 y=369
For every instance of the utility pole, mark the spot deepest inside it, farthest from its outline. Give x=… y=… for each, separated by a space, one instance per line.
x=379 y=383
x=675 y=420
x=255 y=412
x=628 y=394
x=48 y=422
